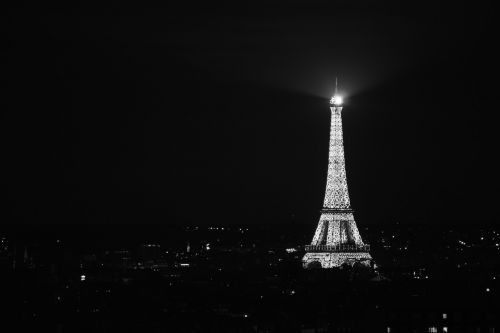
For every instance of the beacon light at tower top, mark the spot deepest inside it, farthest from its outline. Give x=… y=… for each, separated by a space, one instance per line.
x=336 y=100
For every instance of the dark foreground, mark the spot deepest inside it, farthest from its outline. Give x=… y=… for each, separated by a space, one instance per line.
x=244 y=279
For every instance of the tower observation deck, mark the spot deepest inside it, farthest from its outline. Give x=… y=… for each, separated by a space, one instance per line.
x=337 y=239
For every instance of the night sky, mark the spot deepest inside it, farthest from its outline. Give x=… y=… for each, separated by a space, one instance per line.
x=218 y=114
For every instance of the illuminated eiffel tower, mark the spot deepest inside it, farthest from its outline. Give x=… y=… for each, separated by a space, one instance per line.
x=336 y=240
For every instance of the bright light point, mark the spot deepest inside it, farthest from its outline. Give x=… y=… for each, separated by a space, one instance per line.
x=82 y=278
x=336 y=100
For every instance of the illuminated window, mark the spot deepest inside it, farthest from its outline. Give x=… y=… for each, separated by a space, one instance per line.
x=433 y=330
x=445 y=329
x=388 y=330
x=445 y=316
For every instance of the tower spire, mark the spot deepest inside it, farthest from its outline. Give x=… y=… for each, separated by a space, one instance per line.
x=336 y=99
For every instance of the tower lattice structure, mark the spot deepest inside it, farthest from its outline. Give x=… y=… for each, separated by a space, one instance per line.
x=337 y=239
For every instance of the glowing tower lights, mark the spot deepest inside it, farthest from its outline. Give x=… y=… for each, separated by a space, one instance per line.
x=337 y=239
x=336 y=100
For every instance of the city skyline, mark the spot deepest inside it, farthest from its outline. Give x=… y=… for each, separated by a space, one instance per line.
x=163 y=167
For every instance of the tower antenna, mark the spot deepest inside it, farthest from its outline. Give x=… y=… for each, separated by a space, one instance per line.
x=335 y=87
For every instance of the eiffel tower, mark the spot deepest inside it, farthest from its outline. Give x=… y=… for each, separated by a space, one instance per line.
x=336 y=240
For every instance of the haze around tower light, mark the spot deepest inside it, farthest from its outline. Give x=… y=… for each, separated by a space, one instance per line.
x=336 y=100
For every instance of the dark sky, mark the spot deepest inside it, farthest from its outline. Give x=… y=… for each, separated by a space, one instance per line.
x=219 y=113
